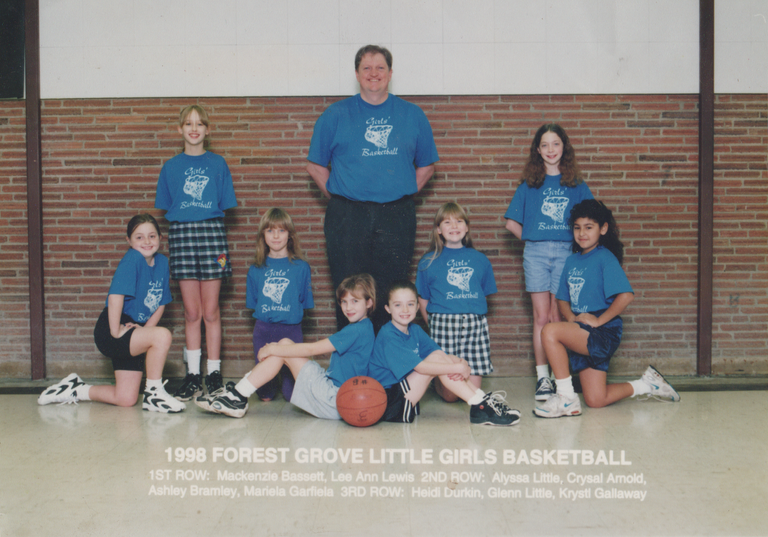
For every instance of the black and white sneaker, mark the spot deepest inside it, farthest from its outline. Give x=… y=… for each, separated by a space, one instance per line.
x=544 y=389
x=214 y=383
x=64 y=392
x=230 y=403
x=158 y=400
x=493 y=410
x=204 y=401
x=191 y=387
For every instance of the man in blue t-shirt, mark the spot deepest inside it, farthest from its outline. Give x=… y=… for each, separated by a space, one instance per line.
x=381 y=152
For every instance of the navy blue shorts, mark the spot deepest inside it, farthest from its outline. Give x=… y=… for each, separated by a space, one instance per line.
x=601 y=344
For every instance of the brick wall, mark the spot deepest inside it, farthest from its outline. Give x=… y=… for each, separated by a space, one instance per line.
x=101 y=159
x=14 y=275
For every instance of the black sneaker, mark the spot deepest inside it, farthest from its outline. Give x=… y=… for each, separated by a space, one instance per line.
x=493 y=410
x=230 y=403
x=214 y=382
x=191 y=387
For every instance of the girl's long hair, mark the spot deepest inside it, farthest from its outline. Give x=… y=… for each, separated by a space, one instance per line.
x=535 y=171
x=436 y=240
x=598 y=212
x=277 y=218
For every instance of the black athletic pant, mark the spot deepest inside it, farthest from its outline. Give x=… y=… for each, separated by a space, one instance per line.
x=377 y=238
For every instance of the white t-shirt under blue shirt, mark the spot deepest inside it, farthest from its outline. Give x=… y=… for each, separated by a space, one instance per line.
x=279 y=291
x=195 y=188
x=456 y=282
x=544 y=211
x=145 y=288
x=373 y=148
x=591 y=281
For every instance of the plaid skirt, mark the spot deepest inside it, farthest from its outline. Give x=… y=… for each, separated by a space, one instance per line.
x=464 y=335
x=199 y=250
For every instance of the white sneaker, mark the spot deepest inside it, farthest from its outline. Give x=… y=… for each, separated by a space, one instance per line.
x=559 y=405
x=158 y=400
x=661 y=390
x=64 y=392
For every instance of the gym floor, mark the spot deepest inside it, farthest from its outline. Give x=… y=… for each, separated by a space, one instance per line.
x=698 y=467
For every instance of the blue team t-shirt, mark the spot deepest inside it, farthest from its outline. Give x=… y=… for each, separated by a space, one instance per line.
x=145 y=288
x=590 y=282
x=373 y=149
x=279 y=291
x=544 y=211
x=354 y=346
x=396 y=354
x=195 y=188
x=456 y=282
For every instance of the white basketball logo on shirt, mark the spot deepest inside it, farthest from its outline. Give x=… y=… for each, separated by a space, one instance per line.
x=574 y=287
x=459 y=276
x=194 y=186
x=274 y=288
x=378 y=135
x=554 y=207
x=152 y=300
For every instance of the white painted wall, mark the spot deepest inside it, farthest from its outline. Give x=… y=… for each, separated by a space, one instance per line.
x=156 y=48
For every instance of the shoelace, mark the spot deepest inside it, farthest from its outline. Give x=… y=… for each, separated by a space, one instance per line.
x=72 y=400
x=497 y=401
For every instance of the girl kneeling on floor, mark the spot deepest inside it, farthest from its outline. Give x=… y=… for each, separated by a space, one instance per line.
x=593 y=292
x=127 y=329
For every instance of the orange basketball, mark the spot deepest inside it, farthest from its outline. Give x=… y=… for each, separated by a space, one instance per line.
x=361 y=401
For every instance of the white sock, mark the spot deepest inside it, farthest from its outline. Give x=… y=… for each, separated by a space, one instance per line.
x=83 y=393
x=639 y=387
x=193 y=360
x=542 y=371
x=565 y=386
x=156 y=383
x=245 y=388
x=214 y=365
x=477 y=398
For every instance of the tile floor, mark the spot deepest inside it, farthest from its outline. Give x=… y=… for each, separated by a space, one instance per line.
x=699 y=467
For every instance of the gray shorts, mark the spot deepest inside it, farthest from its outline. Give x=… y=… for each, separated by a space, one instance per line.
x=315 y=393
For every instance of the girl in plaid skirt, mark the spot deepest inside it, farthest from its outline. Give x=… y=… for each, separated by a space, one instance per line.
x=453 y=280
x=195 y=188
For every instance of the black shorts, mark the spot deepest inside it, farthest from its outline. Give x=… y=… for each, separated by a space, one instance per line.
x=119 y=349
x=400 y=409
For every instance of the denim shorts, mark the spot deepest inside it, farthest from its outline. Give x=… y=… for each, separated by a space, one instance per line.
x=543 y=262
